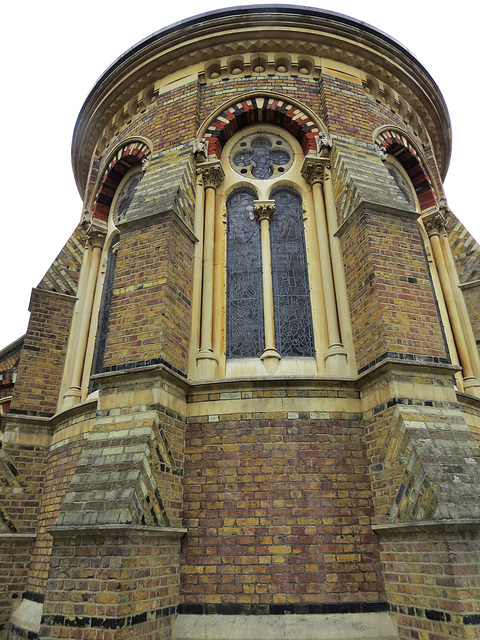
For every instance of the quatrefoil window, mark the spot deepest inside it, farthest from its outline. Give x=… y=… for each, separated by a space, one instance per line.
x=261 y=157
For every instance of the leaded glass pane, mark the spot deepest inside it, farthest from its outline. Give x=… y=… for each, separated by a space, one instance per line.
x=262 y=156
x=291 y=296
x=245 y=334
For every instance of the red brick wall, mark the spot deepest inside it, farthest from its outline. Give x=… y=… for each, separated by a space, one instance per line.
x=433 y=583
x=114 y=585
x=278 y=512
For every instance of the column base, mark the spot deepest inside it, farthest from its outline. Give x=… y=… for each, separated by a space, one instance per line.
x=336 y=359
x=207 y=362
x=270 y=359
x=72 y=397
x=472 y=386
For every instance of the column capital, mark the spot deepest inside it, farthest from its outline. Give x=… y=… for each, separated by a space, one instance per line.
x=434 y=223
x=264 y=209
x=95 y=236
x=212 y=173
x=313 y=169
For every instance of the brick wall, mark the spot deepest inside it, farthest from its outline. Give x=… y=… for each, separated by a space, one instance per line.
x=106 y=585
x=389 y=290
x=278 y=510
x=432 y=581
x=14 y=562
x=41 y=364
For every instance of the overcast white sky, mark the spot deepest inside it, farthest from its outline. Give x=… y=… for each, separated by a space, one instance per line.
x=53 y=51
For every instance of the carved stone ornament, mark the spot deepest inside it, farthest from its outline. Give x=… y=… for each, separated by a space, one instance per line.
x=324 y=143
x=434 y=223
x=95 y=237
x=200 y=150
x=313 y=169
x=86 y=219
x=442 y=206
x=264 y=209
x=145 y=163
x=212 y=173
x=380 y=149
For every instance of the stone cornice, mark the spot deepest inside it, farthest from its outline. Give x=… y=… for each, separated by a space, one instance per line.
x=133 y=80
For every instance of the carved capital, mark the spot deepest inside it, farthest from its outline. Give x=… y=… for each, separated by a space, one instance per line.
x=212 y=173
x=264 y=209
x=313 y=169
x=434 y=223
x=95 y=236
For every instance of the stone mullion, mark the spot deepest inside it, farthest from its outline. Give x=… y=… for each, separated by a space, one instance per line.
x=73 y=395
x=270 y=356
x=207 y=360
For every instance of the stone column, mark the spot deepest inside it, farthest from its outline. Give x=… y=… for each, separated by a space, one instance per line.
x=270 y=356
x=435 y=227
x=95 y=240
x=313 y=171
x=207 y=360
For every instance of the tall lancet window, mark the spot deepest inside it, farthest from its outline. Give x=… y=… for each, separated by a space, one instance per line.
x=245 y=336
x=291 y=295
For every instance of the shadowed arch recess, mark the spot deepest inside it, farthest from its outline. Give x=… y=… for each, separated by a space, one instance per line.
x=400 y=146
x=124 y=159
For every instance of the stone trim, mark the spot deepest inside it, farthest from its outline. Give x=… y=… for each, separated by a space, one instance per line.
x=114 y=529
x=322 y=608
x=429 y=525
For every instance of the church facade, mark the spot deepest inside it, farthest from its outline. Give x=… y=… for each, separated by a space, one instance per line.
x=247 y=404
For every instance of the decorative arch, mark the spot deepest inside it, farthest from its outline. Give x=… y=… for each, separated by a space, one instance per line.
x=398 y=145
x=266 y=108
x=128 y=155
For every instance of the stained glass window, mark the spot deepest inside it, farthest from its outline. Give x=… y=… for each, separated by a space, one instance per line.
x=291 y=295
x=262 y=156
x=245 y=329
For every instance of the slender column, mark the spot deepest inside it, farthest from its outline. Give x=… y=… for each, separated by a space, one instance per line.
x=313 y=171
x=95 y=241
x=207 y=360
x=197 y=272
x=435 y=226
x=270 y=356
x=73 y=340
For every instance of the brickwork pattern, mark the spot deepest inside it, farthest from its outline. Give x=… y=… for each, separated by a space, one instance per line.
x=278 y=511
x=389 y=290
x=112 y=586
x=150 y=307
x=14 y=562
x=432 y=583
x=41 y=364
x=61 y=464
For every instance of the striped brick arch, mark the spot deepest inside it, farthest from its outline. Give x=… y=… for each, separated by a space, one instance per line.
x=399 y=146
x=125 y=158
x=261 y=109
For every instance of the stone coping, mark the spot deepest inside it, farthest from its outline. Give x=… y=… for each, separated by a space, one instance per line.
x=120 y=529
x=17 y=536
x=467 y=524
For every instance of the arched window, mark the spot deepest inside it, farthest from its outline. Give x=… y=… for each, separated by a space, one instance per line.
x=265 y=300
x=291 y=295
x=245 y=336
